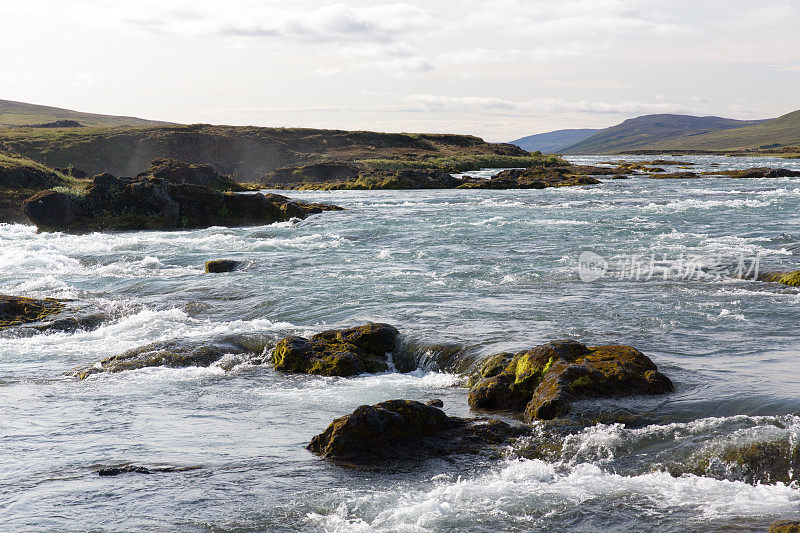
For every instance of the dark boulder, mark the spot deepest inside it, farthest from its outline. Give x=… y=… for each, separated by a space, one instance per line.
x=219 y=266
x=122 y=204
x=543 y=381
x=398 y=430
x=338 y=352
x=16 y=310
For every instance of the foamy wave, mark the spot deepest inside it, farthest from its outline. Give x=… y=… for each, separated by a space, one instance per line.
x=524 y=490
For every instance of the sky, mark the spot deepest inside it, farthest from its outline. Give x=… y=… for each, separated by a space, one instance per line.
x=499 y=69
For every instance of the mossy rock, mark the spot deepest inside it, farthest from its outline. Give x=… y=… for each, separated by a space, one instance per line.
x=398 y=430
x=337 y=352
x=786 y=278
x=542 y=382
x=785 y=526
x=16 y=310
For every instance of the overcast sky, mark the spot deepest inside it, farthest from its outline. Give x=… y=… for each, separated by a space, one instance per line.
x=499 y=69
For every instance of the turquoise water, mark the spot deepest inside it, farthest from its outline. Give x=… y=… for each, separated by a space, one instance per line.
x=489 y=270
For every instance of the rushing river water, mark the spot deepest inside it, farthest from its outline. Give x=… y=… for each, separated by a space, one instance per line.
x=493 y=270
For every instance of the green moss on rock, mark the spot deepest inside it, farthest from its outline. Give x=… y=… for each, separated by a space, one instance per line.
x=786 y=278
x=543 y=381
x=16 y=310
x=338 y=352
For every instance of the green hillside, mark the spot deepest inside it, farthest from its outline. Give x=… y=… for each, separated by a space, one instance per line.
x=782 y=131
x=645 y=131
x=22 y=114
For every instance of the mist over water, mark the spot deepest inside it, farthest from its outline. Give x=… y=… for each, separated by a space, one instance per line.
x=493 y=270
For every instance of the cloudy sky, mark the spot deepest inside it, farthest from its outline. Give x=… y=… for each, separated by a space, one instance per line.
x=500 y=69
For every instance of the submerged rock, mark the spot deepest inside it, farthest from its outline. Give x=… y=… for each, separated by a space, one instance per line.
x=16 y=310
x=110 y=471
x=218 y=266
x=543 y=381
x=407 y=430
x=176 y=353
x=764 y=461
x=337 y=352
x=111 y=203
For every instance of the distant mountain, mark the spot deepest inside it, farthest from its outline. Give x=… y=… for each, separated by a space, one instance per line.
x=22 y=114
x=649 y=130
x=554 y=141
x=778 y=132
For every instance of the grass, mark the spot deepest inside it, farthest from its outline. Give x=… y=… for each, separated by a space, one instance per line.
x=23 y=114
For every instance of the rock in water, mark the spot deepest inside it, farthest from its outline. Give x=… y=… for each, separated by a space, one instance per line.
x=406 y=430
x=537 y=177
x=16 y=310
x=151 y=203
x=176 y=353
x=543 y=381
x=218 y=266
x=337 y=352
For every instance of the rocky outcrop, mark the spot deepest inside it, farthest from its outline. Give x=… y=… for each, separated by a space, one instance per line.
x=179 y=353
x=544 y=381
x=337 y=352
x=150 y=203
x=325 y=172
x=178 y=173
x=352 y=176
x=533 y=178
x=398 y=430
x=219 y=266
x=16 y=310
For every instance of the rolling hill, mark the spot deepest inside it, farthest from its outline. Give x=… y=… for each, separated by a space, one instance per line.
x=778 y=132
x=648 y=130
x=554 y=141
x=13 y=114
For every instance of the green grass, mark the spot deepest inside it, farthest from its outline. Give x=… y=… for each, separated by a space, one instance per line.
x=23 y=114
